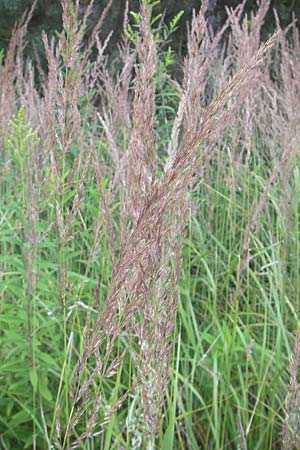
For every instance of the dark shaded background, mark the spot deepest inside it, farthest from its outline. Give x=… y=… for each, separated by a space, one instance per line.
x=47 y=16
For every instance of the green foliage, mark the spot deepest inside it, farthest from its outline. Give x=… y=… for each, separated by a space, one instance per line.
x=230 y=361
x=234 y=324
x=13 y=7
x=2 y=56
x=19 y=139
x=165 y=33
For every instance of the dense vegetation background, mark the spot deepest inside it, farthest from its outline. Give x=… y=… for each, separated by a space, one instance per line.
x=47 y=16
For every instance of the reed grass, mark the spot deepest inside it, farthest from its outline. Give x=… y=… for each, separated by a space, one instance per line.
x=149 y=236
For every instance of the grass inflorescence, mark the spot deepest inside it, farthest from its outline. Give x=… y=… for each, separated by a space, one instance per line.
x=149 y=238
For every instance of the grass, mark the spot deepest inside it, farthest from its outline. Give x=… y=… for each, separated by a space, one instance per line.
x=236 y=326
x=149 y=241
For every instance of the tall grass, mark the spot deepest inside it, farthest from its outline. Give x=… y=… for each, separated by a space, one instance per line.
x=149 y=265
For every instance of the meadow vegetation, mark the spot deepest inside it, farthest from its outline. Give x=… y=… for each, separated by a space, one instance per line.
x=149 y=238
